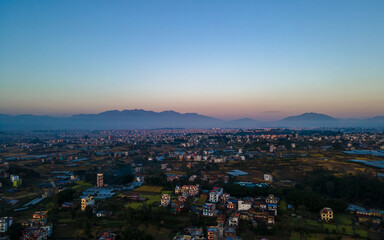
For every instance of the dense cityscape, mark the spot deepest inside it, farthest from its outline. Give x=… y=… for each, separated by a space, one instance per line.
x=192 y=184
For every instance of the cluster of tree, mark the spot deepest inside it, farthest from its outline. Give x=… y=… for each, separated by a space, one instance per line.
x=29 y=173
x=261 y=228
x=158 y=180
x=241 y=191
x=313 y=201
x=121 y=179
x=362 y=188
x=15 y=231
x=66 y=195
x=133 y=233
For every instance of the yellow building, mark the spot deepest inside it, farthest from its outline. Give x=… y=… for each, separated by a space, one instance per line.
x=40 y=215
x=326 y=214
x=86 y=201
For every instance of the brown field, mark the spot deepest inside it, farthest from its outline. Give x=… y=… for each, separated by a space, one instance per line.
x=149 y=188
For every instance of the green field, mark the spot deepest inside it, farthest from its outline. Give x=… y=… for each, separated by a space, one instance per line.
x=134 y=205
x=313 y=229
x=151 y=199
x=81 y=185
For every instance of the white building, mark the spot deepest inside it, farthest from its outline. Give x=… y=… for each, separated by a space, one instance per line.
x=5 y=223
x=165 y=200
x=14 y=178
x=214 y=195
x=233 y=221
x=268 y=177
x=243 y=206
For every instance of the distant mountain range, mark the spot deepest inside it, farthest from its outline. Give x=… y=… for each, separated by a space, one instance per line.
x=141 y=119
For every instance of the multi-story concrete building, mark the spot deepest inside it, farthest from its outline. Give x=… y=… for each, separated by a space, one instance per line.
x=244 y=206
x=86 y=201
x=165 y=200
x=268 y=177
x=326 y=214
x=271 y=199
x=214 y=195
x=190 y=190
x=100 y=180
x=233 y=221
x=209 y=209
x=5 y=223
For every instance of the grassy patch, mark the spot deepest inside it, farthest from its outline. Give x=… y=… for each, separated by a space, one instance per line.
x=167 y=192
x=134 y=205
x=343 y=219
x=151 y=198
x=81 y=185
x=362 y=233
x=112 y=223
x=66 y=220
x=295 y=236
x=200 y=201
x=283 y=206
x=331 y=228
x=346 y=229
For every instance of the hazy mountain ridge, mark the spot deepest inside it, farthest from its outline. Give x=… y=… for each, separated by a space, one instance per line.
x=309 y=117
x=142 y=119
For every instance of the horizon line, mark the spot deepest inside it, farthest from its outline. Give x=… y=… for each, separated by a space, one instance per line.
x=63 y=115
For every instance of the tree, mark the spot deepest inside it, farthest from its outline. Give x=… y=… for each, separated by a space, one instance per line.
x=88 y=212
x=15 y=231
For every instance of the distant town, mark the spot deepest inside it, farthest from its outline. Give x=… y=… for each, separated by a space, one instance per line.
x=192 y=184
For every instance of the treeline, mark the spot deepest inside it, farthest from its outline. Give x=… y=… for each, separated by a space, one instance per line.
x=241 y=191
x=365 y=189
x=25 y=172
x=313 y=201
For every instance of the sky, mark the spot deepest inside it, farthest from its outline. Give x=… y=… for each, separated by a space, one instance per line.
x=229 y=59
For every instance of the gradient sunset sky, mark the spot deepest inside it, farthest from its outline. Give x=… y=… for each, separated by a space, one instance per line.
x=228 y=59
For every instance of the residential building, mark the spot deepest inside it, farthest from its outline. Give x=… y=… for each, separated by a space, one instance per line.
x=165 y=200
x=37 y=227
x=244 y=206
x=5 y=223
x=16 y=180
x=214 y=233
x=196 y=233
x=107 y=235
x=230 y=233
x=271 y=220
x=271 y=199
x=326 y=214
x=268 y=177
x=232 y=204
x=214 y=195
x=187 y=190
x=86 y=201
x=208 y=209
x=233 y=221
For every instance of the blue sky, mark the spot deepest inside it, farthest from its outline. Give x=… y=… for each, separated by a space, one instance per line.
x=229 y=59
